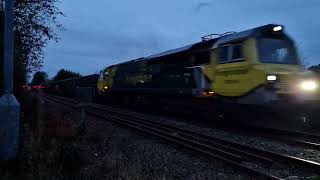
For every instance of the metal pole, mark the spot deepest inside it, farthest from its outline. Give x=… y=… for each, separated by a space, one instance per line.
x=9 y=106
x=8 y=46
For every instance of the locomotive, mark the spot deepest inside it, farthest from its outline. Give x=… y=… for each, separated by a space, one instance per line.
x=235 y=73
x=259 y=66
x=257 y=69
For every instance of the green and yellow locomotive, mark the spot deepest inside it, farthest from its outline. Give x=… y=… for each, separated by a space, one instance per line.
x=258 y=66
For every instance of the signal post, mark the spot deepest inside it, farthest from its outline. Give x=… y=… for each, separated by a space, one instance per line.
x=9 y=106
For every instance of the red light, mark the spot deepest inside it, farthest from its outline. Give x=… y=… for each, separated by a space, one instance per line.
x=39 y=87
x=207 y=93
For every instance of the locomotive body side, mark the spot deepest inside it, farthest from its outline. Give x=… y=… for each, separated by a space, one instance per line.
x=258 y=66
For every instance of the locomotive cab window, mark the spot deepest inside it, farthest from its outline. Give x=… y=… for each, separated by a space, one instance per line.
x=101 y=75
x=236 y=53
x=277 y=51
x=230 y=53
x=105 y=74
x=223 y=54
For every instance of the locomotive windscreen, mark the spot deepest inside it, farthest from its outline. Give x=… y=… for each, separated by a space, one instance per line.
x=277 y=51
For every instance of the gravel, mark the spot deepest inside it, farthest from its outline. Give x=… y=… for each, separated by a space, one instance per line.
x=113 y=152
x=149 y=157
x=256 y=142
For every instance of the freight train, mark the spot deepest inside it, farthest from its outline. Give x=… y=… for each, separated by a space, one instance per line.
x=259 y=67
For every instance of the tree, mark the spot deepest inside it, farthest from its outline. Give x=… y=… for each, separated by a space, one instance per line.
x=39 y=78
x=35 y=24
x=65 y=74
x=315 y=68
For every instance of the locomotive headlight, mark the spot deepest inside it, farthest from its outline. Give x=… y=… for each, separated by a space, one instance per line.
x=271 y=77
x=106 y=87
x=309 y=85
x=277 y=28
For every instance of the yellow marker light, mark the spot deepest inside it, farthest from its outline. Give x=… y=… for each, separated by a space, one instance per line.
x=277 y=28
x=271 y=77
x=309 y=85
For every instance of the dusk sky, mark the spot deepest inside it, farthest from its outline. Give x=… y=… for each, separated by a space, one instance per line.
x=103 y=32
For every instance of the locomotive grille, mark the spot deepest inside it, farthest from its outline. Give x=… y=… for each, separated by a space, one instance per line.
x=285 y=83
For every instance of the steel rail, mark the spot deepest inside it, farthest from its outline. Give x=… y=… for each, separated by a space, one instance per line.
x=227 y=157
x=264 y=156
x=271 y=156
x=186 y=140
x=297 y=138
x=203 y=143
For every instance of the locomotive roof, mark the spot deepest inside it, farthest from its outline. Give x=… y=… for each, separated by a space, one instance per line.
x=172 y=51
x=248 y=33
x=207 y=44
x=224 y=38
x=196 y=46
x=69 y=79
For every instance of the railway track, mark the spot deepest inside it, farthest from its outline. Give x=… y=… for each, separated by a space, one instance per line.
x=232 y=153
x=297 y=138
x=302 y=139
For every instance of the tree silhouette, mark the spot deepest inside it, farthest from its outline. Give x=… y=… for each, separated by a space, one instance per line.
x=315 y=68
x=39 y=78
x=65 y=74
x=34 y=24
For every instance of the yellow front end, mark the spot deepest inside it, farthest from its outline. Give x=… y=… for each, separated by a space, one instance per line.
x=247 y=76
x=105 y=80
x=236 y=78
x=285 y=90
